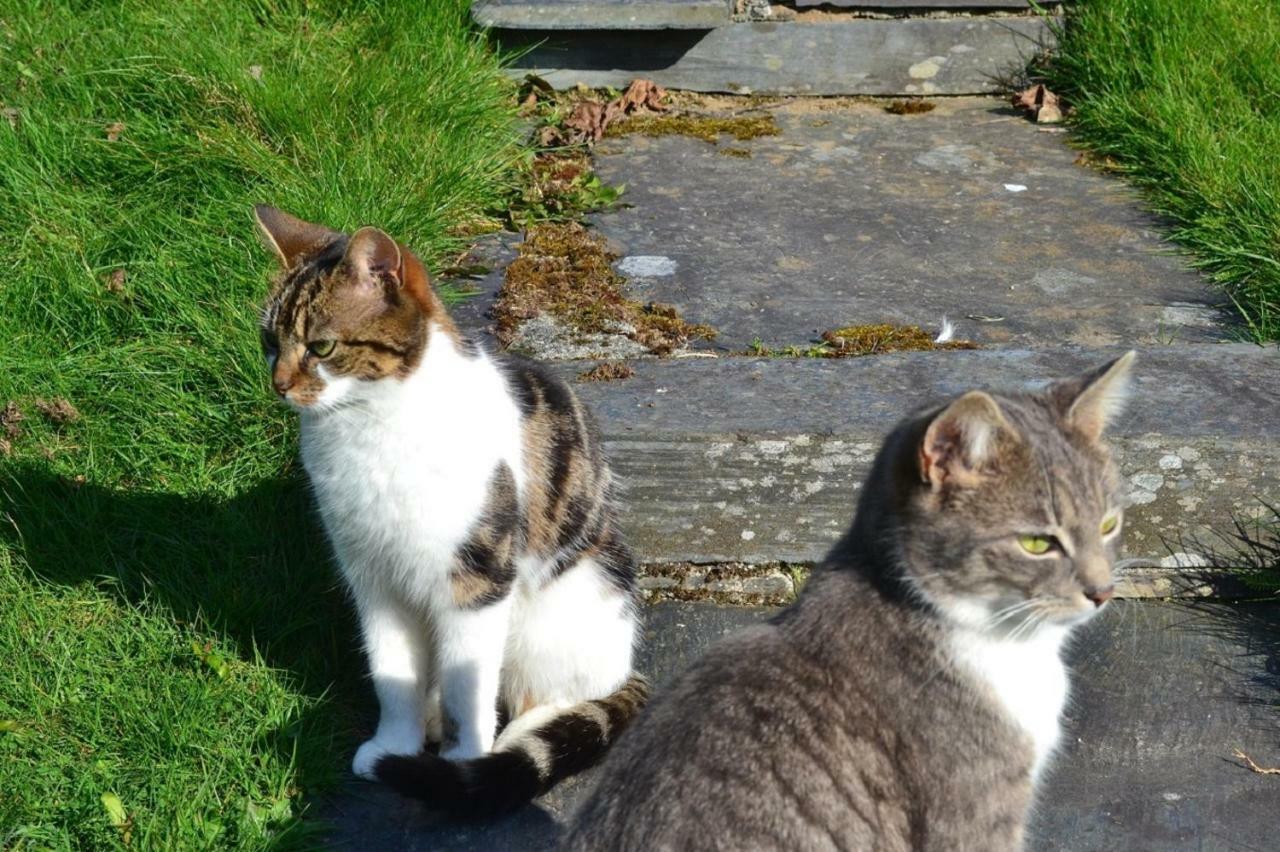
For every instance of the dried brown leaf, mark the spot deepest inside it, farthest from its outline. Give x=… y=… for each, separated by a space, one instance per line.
x=10 y=417
x=115 y=281
x=113 y=130
x=14 y=115
x=587 y=121
x=1043 y=105
x=642 y=94
x=57 y=410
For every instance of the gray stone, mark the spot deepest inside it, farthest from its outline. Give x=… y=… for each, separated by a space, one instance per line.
x=761 y=460
x=918 y=5
x=854 y=56
x=854 y=216
x=1162 y=695
x=601 y=14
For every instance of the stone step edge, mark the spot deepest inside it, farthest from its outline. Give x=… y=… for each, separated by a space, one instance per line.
x=588 y=15
x=777 y=583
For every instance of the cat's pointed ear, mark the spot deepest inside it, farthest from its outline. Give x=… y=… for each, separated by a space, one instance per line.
x=374 y=258
x=288 y=236
x=1090 y=402
x=961 y=440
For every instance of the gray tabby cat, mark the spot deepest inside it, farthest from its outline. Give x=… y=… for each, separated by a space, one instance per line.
x=910 y=698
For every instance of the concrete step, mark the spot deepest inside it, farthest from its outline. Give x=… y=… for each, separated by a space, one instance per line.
x=852 y=215
x=1162 y=695
x=760 y=461
x=850 y=48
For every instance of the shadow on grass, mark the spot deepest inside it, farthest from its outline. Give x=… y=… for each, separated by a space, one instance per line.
x=254 y=568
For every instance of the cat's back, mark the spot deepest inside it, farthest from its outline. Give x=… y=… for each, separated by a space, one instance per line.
x=815 y=731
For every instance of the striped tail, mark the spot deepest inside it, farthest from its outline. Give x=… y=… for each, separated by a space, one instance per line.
x=522 y=766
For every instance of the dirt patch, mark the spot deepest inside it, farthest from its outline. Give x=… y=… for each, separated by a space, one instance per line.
x=610 y=371
x=708 y=128
x=565 y=271
x=57 y=411
x=909 y=106
x=858 y=340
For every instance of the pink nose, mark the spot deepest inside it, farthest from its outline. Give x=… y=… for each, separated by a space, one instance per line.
x=1099 y=596
x=282 y=384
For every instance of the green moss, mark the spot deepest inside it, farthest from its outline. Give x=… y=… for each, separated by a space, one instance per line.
x=856 y=340
x=708 y=128
x=739 y=153
x=567 y=271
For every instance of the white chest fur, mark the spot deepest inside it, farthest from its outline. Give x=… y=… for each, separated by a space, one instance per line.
x=402 y=471
x=1027 y=678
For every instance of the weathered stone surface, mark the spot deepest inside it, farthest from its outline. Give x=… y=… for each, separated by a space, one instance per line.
x=853 y=215
x=601 y=14
x=945 y=56
x=918 y=5
x=760 y=460
x=1162 y=695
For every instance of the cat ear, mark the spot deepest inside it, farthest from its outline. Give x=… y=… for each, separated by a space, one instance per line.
x=288 y=236
x=961 y=440
x=1090 y=402
x=374 y=258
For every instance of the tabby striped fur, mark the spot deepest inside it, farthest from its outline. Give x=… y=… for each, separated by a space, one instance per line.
x=470 y=508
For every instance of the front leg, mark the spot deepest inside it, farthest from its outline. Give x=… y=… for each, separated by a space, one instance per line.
x=400 y=666
x=470 y=650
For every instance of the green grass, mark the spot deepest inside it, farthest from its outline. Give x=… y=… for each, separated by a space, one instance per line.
x=1185 y=97
x=172 y=631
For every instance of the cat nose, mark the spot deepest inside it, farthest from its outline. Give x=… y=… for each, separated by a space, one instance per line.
x=282 y=383
x=1099 y=594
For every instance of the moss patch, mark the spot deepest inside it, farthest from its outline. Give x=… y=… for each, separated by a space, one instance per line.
x=566 y=271
x=708 y=128
x=856 y=340
x=739 y=153
x=610 y=371
x=909 y=106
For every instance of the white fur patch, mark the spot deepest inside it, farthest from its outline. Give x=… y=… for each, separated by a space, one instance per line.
x=1027 y=678
x=401 y=470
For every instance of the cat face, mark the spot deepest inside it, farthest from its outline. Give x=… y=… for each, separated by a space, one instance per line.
x=346 y=314
x=1016 y=519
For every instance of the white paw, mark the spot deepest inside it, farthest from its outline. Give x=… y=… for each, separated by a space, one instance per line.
x=368 y=755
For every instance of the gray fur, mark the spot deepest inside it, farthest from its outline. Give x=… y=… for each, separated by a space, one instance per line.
x=845 y=722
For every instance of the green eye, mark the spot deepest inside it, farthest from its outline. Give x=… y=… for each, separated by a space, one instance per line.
x=1036 y=545
x=1109 y=524
x=322 y=348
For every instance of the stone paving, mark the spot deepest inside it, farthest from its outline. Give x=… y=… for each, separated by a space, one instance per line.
x=851 y=216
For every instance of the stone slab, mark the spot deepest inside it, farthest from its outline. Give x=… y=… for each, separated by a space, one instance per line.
x=919 y=5
x=853 y=215
x=761 y=460
x=857 y=56
x=1162 y=695
x=601 y=14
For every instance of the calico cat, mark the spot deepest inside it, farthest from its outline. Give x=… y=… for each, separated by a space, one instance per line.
x=910 y=698
x=469 y=504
